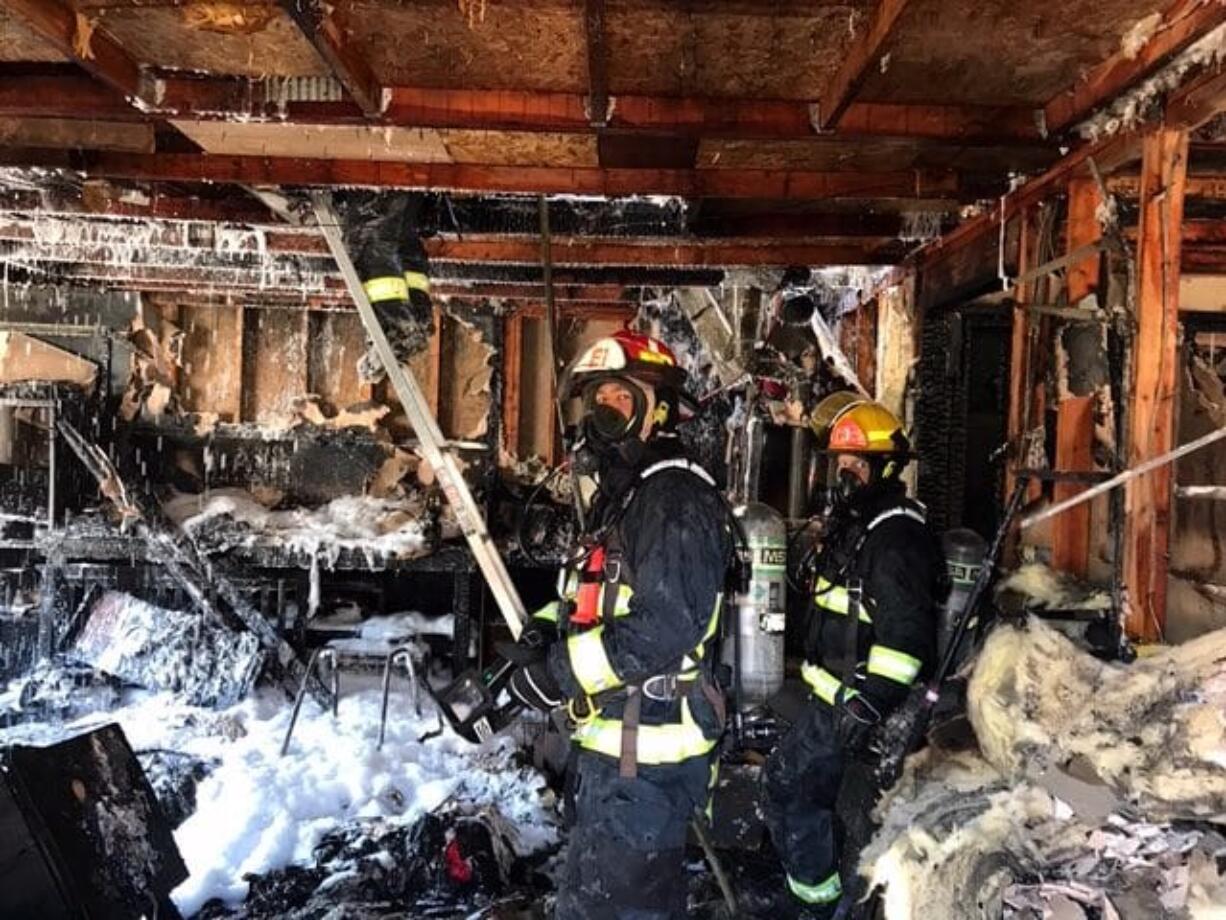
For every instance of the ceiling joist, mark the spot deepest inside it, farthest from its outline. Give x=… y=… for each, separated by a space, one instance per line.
x=685 y=183
x=1185 y=22
x=78 y=38
x=861 y=57
x=319 y=23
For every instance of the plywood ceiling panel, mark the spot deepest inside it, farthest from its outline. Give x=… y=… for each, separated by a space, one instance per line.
x=17 y=43
x=329 y=142
x=517 y=46
x=159 y=36
x=518 y=148
x=998 y=51
x=710 y=52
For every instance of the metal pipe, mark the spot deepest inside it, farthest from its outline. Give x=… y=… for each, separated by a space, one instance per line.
x=1215 y=493
x=51 y=470
x=1141 y=470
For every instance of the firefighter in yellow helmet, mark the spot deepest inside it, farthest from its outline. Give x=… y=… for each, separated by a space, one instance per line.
x=879 y=579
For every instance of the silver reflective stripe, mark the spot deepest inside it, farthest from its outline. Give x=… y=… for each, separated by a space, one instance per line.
x=896 y=512
x=678 y=463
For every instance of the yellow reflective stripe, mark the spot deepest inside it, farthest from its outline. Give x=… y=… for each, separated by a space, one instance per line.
x=417 y=281
x=837 y=599
x=897 y=666
x=656 y=743
x=624 y=593
x=825 y=686
x=548 y=613
x=389 y=287
x=590 y=661
x=712 y=624
x=824 y=892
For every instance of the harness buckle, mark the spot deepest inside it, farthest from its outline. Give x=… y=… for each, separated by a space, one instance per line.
x=665 y=688
x=612 y=569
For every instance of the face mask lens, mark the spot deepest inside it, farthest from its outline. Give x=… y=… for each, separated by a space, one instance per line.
x=604 y=423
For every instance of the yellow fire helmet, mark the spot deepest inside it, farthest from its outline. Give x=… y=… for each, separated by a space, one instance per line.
x=853 y=425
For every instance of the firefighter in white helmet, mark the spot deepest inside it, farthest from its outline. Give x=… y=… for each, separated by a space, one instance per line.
x=626 y=647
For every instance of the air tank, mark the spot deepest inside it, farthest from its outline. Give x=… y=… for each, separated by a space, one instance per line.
x=756 y=626
x=964 y=551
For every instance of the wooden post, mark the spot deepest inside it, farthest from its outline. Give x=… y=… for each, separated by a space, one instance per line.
x=512 y=363
x=1019 y=351
x=1070 y=538
x=1148 y=502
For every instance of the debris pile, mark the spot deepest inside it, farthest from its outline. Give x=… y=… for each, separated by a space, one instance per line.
x=243 y=812
x=446 y=864
x=374 y=527
x=185 y=653
x=1087 y=796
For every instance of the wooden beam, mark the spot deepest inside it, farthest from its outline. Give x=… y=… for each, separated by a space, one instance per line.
x=1109 y=153
x=1183 y=23
x=62 y=94
x=688 y=183
x=858 y=60
x=1208 y=188
x=1020 y=391
x=583 y=251
x=1154 y=389
x=319 y=23
x=53 y=90
x=512 y=368
x=73 y=35
x=1075 y=414
x=1187 y=108
x=597 y=63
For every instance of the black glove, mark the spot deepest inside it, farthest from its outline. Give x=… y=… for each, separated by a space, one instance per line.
x=854 y=721
x=535 y=687
x=532 y=645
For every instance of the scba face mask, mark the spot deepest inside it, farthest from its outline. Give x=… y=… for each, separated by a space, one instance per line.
x=605 y=426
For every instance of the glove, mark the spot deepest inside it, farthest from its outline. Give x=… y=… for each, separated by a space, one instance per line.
x=535 y=687
x=533 y=643
x=854 y=721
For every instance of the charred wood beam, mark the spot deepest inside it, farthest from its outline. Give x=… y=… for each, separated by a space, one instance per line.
x=49 y=90
x=597 y=61
x=858 y=61
x=1183 y=23
x=1188 y=107
x=79 y=39
x=1155 y=381
x=319 y=23
x=285 y=254
x=688 y=183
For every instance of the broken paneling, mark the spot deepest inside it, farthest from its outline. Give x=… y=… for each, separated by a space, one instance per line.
x=464 y=390
x=274 y=363
x=24 y=358
x=336 y=343
x=212 y=378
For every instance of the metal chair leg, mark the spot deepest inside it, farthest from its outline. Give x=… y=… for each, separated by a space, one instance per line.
x=320 y=655
x=404 y=656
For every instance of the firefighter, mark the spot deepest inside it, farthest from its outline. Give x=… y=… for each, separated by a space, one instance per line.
x=631 y=661
x=872 y=634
